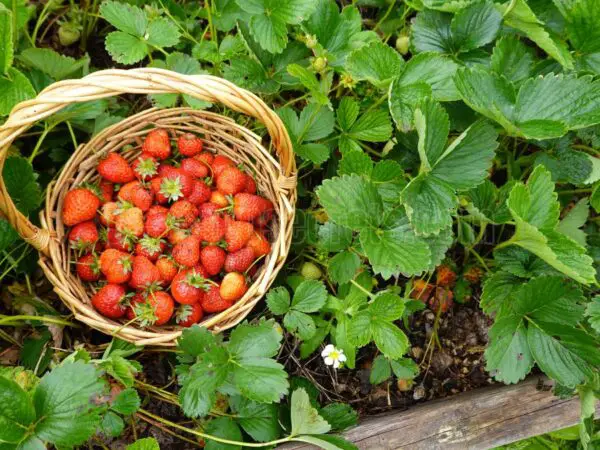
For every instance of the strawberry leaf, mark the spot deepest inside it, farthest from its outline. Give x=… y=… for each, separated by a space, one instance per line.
x=124 y=17
x=343 y=266
x=15 y=88
x=8 y=235
x=6 y=40
x=162 y=33
x=20 y=181
x=54 y=64
x=16 y=412
x=258 y=420
x=305 y=418
x=125 y=48
x=377 y=63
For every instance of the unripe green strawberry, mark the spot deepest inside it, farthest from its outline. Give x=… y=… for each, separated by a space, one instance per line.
x=402 y=44
x=311 y=271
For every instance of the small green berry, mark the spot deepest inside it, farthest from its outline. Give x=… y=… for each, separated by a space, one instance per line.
x=402 y=44
x=311 y=271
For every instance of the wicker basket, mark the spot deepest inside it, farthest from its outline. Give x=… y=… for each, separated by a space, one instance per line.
x=275 y=178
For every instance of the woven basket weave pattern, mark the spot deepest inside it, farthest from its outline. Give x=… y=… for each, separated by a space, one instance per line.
x=275 y=177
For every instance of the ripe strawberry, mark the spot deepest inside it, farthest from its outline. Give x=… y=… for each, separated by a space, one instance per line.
x=145 y=167
x=201 y=193
x=206 y=157
x=118 y=241
x=155 y=308
x=163 y=305
x=233 y=286
x=79 y=206
x=231 y=181
x=130 y=222
x=116 y=169
x=259 y=244
x=144 y=274
x=88 y=268
x=264 y=219
x=187 y=252
x=213 y=302
x=156 y=187
x=237 y=235
x=116 y=266
x=189 y=144
x=150 y=247
x=109 y=301
x=176 y=184
x=219 y=164
x=83 y=236
x=108 y=214
x=188 y=315
x=248 y=207
x=239 y=261
x=219 y=199
x=107 y=189
x=136 y=194
x=208 y=209
x=167 y=268
x=250 y=185
x=184 y=213
x=212 y=258
x=211 y=229
x=157 y=209
x=157 y=224
x=177 y=235
x=188 y=286
x=157 y=144
x=194 y=167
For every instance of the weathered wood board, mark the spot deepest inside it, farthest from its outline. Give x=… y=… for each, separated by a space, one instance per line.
x=481 y=419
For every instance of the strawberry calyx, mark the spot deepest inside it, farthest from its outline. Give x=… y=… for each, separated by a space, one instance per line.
x=196 y=280
x=147 y=168
x=171 y=188
x=151 y=244
x=145 y=314
x=183 y=313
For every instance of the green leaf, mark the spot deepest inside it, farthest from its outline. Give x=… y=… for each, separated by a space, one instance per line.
x=380 y=371
x=67 y=414
x=260 y=421
x=404 y=368
x=305 y=418
x=374 y=126
x=356 y=162
x=16 y=411
x=390 y=339
x=260 y=379
x=15 y=88
x=21 y=184
x=251 y=341
x=347 y=113
x=432 y=125
x=520 y=16
x=431 y=32
x=300 y=324
x=309 y=81
x=343 y=266
x=278 y=300
x=508 y=356
x=475 y=25
x=581 y=19
x=310 y=296
x=195 y=340
x=592 y=312
x=125 y=48
x=333 y=237
x=327 y=442
x=52 y=63
x=225 y=428
x=351 y=201
x=339 y=415
x=6 y=39
x=512 y=59
x=144 y=444
x=378 y=63
x=576 y=218
x=112 y=425
x=127 y=402
x=162 y=33
x=387 y=306
x=315 y=153
x=496 y=291
x=8 y=235
x=124 y=17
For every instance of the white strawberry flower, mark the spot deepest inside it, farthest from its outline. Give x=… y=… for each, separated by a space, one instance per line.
x=333 y=356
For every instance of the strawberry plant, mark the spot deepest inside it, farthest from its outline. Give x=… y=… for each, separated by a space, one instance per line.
x=446 y=222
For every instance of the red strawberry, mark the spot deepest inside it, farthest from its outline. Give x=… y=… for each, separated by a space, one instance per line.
x=176 y=184
x=116 y=265
x=219 y=199
x=157 y=209
x=201 y=193
x=150 y=247
x=233 y=287
x=250 y=185
x=239 y=261
x=208 y=209
x=231 y=181
x=206 y=157
x=211 y=229
x=108 y=214
x=189 y=144
x=88 y=268
x=130 y=222
x=118 y=241
x=259 y=244
x=177 y=235
x=134 y=193
x=188 y=286
x=187 y=252
x=213 y=302
x=156 y=225
x=157 y=144
x=116 y=169
x=144 y=274
x=237 y=235
x=184 y=213
x=109 y=301
x=248 y=207
x=194 y=167
x=167 y=268
x=220 y=163
x=145 y=167
x=155 y=308
x=188 y=315
x=107 y=189
x=79 y=206
x=212 y=258
x=156 y=187
x=264 y=219
x=83 y=236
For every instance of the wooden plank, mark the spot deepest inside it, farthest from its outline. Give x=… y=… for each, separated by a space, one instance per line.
x=480 y=419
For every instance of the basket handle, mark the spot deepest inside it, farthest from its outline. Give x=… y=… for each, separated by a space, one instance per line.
x=108 y=83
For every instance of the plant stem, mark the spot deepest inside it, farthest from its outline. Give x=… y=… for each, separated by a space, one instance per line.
x=385 y=16
x=370 y=294
x=4 y=320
